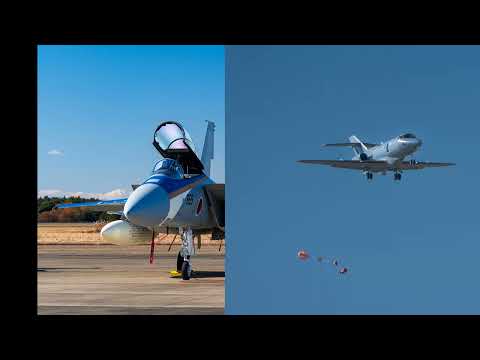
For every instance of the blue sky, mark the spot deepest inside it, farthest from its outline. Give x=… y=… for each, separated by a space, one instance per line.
x=98 y=107
x=412 y=247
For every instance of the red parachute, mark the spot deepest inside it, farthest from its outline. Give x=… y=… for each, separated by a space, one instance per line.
x=303 y=255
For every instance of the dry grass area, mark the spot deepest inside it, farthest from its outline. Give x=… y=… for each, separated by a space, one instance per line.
x=89 y=234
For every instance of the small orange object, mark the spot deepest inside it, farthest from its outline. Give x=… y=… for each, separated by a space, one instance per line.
x=303 y=255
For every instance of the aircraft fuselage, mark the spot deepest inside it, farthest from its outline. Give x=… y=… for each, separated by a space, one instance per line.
x=164 y=201
x=393 y=151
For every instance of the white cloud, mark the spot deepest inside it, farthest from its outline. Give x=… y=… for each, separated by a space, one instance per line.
x=55 y=152
x=117 y=193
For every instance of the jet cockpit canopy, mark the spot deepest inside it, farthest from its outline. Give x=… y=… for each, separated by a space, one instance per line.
x=173 y=142
x=172 y=137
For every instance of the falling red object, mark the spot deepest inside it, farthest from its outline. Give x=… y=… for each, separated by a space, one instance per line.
x=343 y=270
x=303 y=255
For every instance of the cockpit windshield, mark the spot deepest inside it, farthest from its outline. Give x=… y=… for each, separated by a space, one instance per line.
x=408 y=136
x=168 y=167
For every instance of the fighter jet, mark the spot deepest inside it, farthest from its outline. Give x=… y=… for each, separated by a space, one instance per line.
x=380 y=158
x=177 y=198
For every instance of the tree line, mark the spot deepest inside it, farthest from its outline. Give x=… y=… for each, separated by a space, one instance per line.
x=47 y=213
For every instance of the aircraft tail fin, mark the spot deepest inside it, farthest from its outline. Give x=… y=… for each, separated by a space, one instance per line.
x=361 y=148
x=207 y=152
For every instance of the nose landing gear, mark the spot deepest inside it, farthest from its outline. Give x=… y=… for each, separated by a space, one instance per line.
x=179 y=261
x=186 y=270
x=369 y=175
x=397 y=176
x=184 y=255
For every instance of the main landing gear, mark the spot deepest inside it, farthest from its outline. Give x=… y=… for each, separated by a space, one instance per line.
x=179 y=261
x=183 y=258
x=397 y=176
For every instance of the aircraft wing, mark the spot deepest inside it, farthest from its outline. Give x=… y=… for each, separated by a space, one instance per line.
x=106 y=205
x=372 y=165
x=216 y=200
x=368 y=145
x=418 y=165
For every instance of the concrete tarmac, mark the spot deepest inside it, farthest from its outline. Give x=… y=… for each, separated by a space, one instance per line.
x=109 y=279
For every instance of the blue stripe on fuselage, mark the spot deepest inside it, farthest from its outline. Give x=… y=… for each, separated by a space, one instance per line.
x=171 y=185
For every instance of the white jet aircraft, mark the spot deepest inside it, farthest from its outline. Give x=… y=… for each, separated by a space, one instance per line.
x=383 y=157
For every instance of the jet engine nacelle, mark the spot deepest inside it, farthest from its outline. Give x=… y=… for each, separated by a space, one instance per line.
x=122 y=232
x=363 y=157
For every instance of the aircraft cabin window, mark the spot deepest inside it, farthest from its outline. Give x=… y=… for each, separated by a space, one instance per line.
x=407 y=136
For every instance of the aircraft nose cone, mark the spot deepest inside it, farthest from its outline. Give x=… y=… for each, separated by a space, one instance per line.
x=148 y=205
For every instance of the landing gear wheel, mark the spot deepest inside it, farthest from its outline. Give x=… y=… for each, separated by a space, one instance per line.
x=369 y=176
x=179 y=261
x=397 y=176
x=186 y=270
